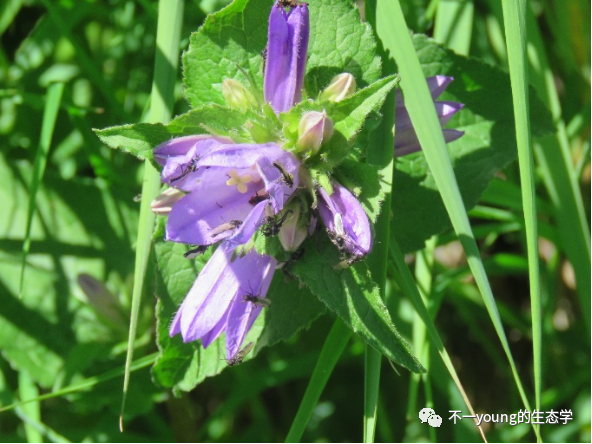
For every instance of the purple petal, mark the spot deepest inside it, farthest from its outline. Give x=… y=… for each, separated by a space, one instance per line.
x=251 y=223
x=208 y=299
x=357 y=235
x=410 y=144
x=287 y=46
x=242 y=315
x=193 y=218
x=436 y=84
x=445 y=111
x=240 y=155
x=279 y=190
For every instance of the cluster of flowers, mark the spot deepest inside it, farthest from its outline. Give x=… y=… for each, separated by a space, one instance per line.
x=224 y=192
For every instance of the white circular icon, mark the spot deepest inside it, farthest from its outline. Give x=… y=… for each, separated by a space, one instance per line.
x=435 y=420
x=425 y=413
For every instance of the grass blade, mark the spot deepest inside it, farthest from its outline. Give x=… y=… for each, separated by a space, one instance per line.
x=168 y=35
x=50 y=114
x=332 y=349
x=379 y=153
x=515 y=26
x=454 y=25
x=392 y=26
x=407 y=284
x=141 y=363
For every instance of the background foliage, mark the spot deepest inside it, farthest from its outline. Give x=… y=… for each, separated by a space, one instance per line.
x=68 y=322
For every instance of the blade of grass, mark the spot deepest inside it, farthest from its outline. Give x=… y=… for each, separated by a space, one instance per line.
x=334 y=345
x=405 y=280
x=454 y=25
x=141 y=363
x=168 y=34
x=28 y=389
x=392 y=27
x=50 y=114
x=558 y=172
x=379 y=153
x=515 y=27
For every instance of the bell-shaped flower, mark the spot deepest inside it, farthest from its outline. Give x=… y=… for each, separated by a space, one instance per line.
x=227 y=296
x=287 y=47
x=406 y=141
x=229 y=187
x=346 y=222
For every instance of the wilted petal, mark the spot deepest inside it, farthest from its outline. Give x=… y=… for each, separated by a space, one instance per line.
x=287 y=47
x=163 y=203
x=344 y=217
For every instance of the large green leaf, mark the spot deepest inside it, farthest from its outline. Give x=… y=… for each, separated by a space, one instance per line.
x=488 y=145
x=353 y=296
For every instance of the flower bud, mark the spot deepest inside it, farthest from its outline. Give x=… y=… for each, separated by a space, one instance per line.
x=236 y=95
x=292 y=234
x=342 y=86
x=314 y=129
x=163 y=203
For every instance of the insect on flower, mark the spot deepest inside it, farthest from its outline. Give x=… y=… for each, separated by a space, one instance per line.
x=272 y=224
x=225 y=227
x=192 y=254
x=190 y=168
x=293 y=258
x=286 y=177
x=258 y=198
x=240 y=356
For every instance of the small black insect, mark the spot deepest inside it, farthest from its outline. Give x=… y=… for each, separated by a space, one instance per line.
x=258 y=198
x=225 y=227
x=190 y=169
x=286 y=177
x=272 y=224
x=240 y=356
x=290 y=3
x=192 y=254
x=293 y=257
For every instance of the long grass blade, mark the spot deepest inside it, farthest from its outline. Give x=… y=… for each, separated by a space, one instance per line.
x=405 y=280
x=50 y=114
x=334 y=345
x=391 y=24
x=168 y=35
x=515 y=26
x=454 y=25
x=379 y=153
x=28 y=389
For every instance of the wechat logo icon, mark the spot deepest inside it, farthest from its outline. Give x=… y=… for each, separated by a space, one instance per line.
x=428 y=415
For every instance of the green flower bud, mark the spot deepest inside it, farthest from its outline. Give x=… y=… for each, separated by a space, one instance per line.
x=314 y=129
x=236 y=95
x=342 y=86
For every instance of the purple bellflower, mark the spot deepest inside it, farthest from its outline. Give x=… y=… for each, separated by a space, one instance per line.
x=287 y=47
x=222 y=298
x=227 y=191
x=406 y=141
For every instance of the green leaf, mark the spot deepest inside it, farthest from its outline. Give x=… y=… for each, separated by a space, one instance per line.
x=488 y=145
x=140 y=139
x=353 y=296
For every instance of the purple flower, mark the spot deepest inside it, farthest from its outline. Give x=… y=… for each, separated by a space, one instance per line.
x=229 y=187
x=346 y=222
x=406 y=141
x=221 y=298
x=287 y=46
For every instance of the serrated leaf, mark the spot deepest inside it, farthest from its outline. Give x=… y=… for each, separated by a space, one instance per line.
x=140 y=139
x=489 y=143
x=353 y=296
